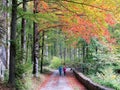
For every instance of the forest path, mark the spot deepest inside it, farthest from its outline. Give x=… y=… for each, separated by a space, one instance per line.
x=57 y=82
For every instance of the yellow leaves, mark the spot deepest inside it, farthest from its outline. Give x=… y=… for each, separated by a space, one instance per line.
x=30 y=5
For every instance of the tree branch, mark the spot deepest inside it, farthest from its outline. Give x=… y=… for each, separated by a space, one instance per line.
x=85 y=4
x=51 y=26
x=22 y=2
x=78 y=14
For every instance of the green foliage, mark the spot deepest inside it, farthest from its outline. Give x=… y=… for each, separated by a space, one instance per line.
x=55 y=62
x=21 y=75
x=24 y=83
x=115 y=33
x=19 y=71
x=108 y=78
x=38 y=16
x=22 y=68
x=46 y=62
x=73 y=63
x=6 y=76
x=19 y=84
x=28 y=82
x=102 y=69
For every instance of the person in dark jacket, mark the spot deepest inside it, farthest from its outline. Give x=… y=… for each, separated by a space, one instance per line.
x=60 y=70
x=64 y=70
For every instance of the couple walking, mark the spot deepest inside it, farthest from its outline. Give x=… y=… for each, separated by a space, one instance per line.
x=62 y=70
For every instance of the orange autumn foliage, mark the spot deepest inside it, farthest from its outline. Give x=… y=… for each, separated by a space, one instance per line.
x=82 y=18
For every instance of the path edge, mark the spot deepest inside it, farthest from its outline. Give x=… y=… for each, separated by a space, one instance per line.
x=88 y=83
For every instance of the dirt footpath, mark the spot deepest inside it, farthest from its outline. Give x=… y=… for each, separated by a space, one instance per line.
x=57 y=82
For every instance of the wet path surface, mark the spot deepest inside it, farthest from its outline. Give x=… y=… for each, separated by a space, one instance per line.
x=56 y=82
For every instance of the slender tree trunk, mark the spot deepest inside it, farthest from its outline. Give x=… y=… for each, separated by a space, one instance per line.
x=87 y=51
x=79 y=54
x=46 y=53
x=74 y=53
x=60 y=48
x=55 y=48
x=64 y=54
x=70 y=53
x=27 y=47
x=43 y=39
x=35 y=42
x=51 y=51
x=12 y=43
x=23 y=33
x=96 y=49
x=46 y=49
x=83 y=53
x=7 y=35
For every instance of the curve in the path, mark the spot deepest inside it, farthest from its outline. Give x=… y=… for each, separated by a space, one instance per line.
x=56 y=82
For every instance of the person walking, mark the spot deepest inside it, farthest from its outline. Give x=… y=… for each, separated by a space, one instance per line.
x=64 y=70
x=60 y=70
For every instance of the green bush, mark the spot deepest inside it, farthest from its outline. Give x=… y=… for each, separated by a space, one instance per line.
x=73 y=63
x=46 y=62
x=21 y=70
x=56 y=62
x=6 y=76
x=19 y=84
x=107 y=78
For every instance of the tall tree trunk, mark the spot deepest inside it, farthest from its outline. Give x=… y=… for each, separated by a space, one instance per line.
x=79 y=54
x=60 y=54
x=83 y=53
x=3 y=27
x=7 y=35
x=46 y=49
x=64 y=54
x=42 y=51
x=74 y=53
x=87 y=51
x=12 y=43
x=70 y=53
x=23 y=33
x=96 y=49
x=55 y=48
x=35 y=42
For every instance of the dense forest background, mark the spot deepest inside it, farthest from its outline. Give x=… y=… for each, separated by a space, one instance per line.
x=40 y=34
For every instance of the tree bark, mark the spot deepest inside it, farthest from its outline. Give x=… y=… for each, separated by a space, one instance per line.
x=79 y=54
x=60 y=54
x=55 y=48
x=96 y=49
x=70 y=53
x=64 y=54
x=83 y=49
x=12 y=43
x=7 y=35
x=43 y=39
x=23 y=34
x=87 y=51
x=35 y=42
